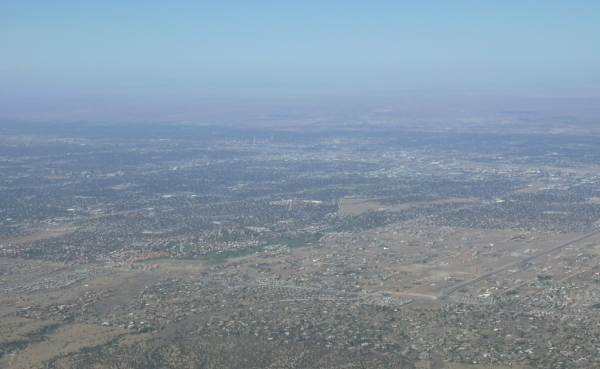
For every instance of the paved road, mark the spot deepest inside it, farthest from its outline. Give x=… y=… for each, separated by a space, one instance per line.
x=450 y=290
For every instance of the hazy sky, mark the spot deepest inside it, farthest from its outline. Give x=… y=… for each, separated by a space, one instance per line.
x=123 y=49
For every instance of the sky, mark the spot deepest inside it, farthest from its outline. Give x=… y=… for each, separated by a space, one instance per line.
x=60 y=52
